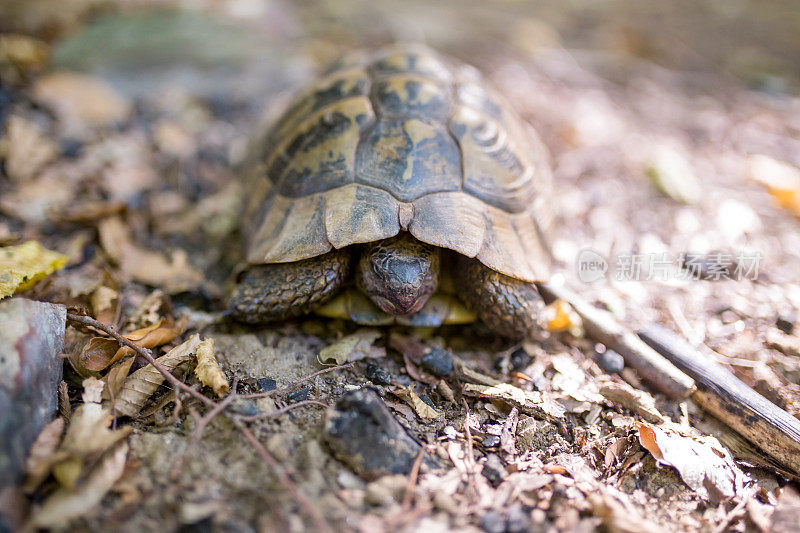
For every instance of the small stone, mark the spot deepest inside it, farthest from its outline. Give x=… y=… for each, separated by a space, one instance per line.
x=610 y=361
x=438 y=362
x=493 y=522
x=519 y=360
x=494 y=470
x=785 y=323
x=378 y=375
x=244 y=407
x=266 y=384
x=490 y=441
x=493 y=428
x=450 y=433
x=299 y=395
x=518 y=519
x=364 y=434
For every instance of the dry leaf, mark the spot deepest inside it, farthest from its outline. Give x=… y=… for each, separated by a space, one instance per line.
x=208 y=370
x=104 y=304
x=116 y=378
x=147 y=266
x=99 y=353
x=140 y=385
x=525 y=401
x=38 y=463
x=25 y=149
x=422 y=409
x=68 y=503
x=23 y=265
x=703 y=463
x=640 y=402
x=618 y=515
x=353 y=347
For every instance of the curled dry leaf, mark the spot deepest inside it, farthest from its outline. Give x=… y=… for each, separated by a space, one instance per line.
x=23 y=265
x=38 y=463
x=640 y=402
x=143 y=383
x=703 y=463
x=422 y=409
x=116 y=378
x=104 y=304
x=353 y=347
x=526 y=401
x=100 y=352
x=68 y=503
x=147 y=266
x=208 y=370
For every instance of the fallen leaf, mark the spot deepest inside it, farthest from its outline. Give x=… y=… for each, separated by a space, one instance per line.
x=703 y=463
x=673 y=175
x=68 y=503
x=526 y=401
x=422 y=409
x=104 y=304
x=146 y=266
x=208 y=370
x=81 y=101
x=353 y=347
x=38 y=463
x=116 y=378
x=618 y=515
x=140 y=385
x=640 y=402
x=21 y=56
x=23 y=265
x=25 y=149
x=100 y=352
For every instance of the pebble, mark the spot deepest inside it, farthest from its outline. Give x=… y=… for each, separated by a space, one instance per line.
x=490 y=441
x=378 y=375
x=494 y=470
x=519 y=360
x=785 y=323
x=450 y=432
x=493 y=522
x=438 y=362
x=299 y=395
x=364 y=434
x=610 y=361
x=518 y=519
x=267 y=384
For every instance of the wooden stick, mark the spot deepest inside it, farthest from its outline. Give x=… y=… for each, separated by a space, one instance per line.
x=725 y=396
x=602 y=327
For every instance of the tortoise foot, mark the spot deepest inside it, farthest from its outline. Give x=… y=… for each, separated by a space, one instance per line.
x=508 y=306
x=285 y=290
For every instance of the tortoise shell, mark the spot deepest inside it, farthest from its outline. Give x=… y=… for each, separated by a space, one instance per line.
x=400 y=140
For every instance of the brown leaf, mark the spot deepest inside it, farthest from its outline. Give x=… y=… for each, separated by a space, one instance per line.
x=98 y=353
x=140 y=385
x=38 y=463
x=353 y=347
x=422 y=409
x=116 y=378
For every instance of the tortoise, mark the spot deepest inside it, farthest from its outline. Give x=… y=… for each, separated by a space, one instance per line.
x=395 y=167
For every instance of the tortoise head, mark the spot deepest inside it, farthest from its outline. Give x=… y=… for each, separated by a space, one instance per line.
x=398 y=274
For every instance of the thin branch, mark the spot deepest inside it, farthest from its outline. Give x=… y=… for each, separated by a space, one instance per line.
x=279 y=412
x=293 y=385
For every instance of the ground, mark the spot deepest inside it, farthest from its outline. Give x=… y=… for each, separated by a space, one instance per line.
x=670 y=143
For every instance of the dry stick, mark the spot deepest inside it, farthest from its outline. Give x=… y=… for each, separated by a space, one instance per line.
x=288 y=484
x=320 y=522
x=412 y=480
x=709 y=385
x=294 y=384
x=283 y=410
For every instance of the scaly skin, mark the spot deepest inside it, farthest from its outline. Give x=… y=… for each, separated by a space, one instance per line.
x=507 y=305
x=285 y=290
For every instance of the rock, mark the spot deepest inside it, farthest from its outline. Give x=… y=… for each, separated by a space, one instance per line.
x=363 y=433
x=610 y=361
x=266 y=384
x=519 y=360
x=438 y=362
x=31 y=340
x=449 y=432
x=378 y=375
x=494 y=470
x=785 y=322
x=493 y=522
x=490 y=441
x=518 y=520
x=299 y=395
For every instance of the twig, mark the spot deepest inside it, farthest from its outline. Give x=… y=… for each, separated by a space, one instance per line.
x=279 y=412
x=412 y=480
x=144 y=352
x=319 y=521
x=293 y=385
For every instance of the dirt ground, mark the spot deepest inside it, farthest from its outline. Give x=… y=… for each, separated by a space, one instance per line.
x=674 y=135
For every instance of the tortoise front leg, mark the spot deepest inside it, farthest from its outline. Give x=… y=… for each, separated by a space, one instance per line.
x=507 y=305
x=286 y=290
